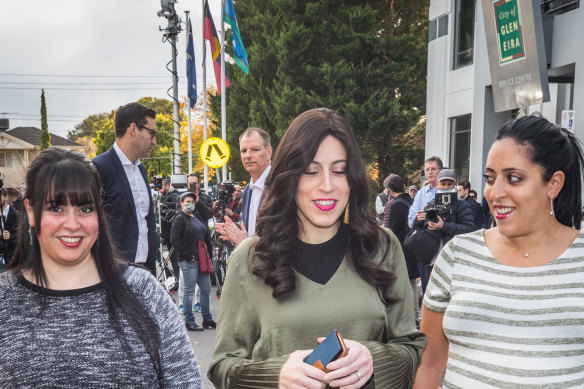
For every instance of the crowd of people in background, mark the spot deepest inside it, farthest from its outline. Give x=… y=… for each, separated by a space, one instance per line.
x=446 y=287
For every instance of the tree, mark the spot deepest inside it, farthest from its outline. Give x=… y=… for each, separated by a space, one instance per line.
x=45 y=136
x=365 y=59
x=197 y=133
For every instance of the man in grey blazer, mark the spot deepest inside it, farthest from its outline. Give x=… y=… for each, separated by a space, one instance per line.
x=126 y=193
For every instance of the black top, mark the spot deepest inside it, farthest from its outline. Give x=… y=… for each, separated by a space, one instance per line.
x=319 y=262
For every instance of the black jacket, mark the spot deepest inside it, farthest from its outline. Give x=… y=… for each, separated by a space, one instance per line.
x=10 y=224
x=170 y=203
x=398 y=216
x=120 y=209
x=171 y=200
x=460 y=221
x=398 y=224
x=477 y=212
x=204 y=207
x=184 y=240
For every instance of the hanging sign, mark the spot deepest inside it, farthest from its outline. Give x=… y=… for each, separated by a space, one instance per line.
x=516 y=49
x=215 y=152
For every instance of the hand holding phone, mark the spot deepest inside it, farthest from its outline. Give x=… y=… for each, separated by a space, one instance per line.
x=330 y=349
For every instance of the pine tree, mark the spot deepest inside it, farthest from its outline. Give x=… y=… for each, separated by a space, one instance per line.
x=45 y=136
x=365 y=59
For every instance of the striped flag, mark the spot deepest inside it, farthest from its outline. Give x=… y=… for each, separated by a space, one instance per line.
x=210 y=34
x=238 y=49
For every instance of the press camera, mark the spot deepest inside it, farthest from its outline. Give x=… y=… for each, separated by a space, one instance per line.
x=225 y=196
x=442 y=205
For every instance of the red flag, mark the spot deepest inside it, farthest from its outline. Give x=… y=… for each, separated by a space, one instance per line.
x=210 y=34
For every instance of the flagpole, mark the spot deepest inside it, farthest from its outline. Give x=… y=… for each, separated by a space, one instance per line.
x=223 y=113
x=206 y=168
x=190 y=146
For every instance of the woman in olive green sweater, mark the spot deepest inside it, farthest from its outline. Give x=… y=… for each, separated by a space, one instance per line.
x=320 y=262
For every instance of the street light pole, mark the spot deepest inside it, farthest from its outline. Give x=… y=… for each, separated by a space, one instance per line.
x=170 y=34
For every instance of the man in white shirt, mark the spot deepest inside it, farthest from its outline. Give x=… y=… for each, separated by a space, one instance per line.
x=126 y=193
x=256 y=154
x=432 y=167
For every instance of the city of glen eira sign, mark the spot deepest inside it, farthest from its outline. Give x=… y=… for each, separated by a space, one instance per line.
x=516 y=49
x=509 y=31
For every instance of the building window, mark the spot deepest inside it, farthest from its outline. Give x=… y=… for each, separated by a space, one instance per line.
x=8 y=159
x=460 y=146
x=463 y=33
x=438 y=28
x=558 y=7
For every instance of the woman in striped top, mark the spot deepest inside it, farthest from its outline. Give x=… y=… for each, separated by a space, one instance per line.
x=505 y=307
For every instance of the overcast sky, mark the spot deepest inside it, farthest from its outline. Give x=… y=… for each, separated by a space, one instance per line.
x=111 y=42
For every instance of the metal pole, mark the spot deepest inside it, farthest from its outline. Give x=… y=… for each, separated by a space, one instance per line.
x=190 y=153
x=223 y=113
x=177 y=168
x=206 y=168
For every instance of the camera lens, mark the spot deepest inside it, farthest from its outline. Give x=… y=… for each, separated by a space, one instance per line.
x=432 y=215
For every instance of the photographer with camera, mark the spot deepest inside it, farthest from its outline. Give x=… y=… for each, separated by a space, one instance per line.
x=204 y=203
x=444 y=215
x=227 y=203
x=8 y=227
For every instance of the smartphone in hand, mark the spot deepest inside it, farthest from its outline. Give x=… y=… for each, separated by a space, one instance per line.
x=330 y=349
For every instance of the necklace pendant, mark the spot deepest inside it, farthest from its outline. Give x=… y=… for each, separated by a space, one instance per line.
x=526 y=255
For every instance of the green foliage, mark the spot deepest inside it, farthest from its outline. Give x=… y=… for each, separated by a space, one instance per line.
x=45 y=136
x=101 y=128
x=365 y=59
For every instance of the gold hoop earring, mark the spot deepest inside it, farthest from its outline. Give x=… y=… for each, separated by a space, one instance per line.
x=346 y=218
x=552 y=207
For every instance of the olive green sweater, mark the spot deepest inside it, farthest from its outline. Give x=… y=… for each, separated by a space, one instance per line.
x=256 y=333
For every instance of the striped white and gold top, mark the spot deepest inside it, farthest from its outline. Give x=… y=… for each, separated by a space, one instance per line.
x=509 y=327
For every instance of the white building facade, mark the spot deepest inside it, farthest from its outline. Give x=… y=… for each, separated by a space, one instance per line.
x=461 y=119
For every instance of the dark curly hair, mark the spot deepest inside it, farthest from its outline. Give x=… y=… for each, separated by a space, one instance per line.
x=278 y=224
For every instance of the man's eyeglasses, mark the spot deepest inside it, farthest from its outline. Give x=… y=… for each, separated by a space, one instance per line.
x=473 y=197
x=152 y=132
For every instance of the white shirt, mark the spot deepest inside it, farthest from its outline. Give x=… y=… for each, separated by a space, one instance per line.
x=257 y=189
x=141 y=195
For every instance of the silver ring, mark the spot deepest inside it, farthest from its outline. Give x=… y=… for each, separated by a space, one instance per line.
x=358 y=374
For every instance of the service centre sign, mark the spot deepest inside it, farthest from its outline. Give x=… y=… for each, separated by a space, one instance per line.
x=516 y=53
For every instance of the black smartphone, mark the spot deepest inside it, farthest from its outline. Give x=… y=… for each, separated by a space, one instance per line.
x=330 y=349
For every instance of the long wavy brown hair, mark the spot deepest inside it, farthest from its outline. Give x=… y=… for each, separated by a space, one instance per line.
x=278 y=224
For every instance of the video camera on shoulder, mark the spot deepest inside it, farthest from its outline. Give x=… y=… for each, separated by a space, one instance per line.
x=442 y=205
x=225 y=195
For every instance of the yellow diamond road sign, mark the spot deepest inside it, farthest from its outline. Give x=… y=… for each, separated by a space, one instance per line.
x=215 y=152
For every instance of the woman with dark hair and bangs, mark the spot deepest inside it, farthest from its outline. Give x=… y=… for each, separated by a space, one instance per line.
x=319 y=262
x=71 y=314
